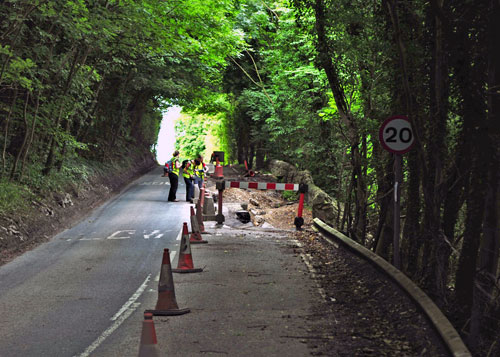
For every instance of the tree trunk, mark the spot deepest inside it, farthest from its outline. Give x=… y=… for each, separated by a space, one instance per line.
x=385 y=231
x=470 y=77
x=484 y=325
x=361 y=196
x=325 y=54
x=411 y=231
x=260 y=156
x=52 y=145
x=32 y=134
x=25 y=137
x=6 y=131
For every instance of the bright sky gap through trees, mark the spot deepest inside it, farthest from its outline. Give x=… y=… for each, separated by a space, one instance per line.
x=166 y=138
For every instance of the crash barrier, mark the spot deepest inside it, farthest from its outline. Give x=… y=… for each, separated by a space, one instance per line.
x=221 y=185
x=443 y=326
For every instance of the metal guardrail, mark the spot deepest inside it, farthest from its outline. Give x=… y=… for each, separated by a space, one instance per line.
x=449 y=335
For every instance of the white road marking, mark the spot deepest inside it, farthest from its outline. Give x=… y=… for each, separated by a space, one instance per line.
x=147 y=236
x=132 y=299
x=127 y=310
x=155 y=234
x=154 y=183
x=129 y=232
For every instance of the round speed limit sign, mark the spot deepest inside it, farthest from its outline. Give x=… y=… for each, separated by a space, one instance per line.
x=396 y=135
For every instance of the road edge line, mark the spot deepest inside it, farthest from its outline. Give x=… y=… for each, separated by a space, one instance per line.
x=125 y=311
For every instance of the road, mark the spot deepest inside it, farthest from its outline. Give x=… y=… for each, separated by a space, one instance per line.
x=261 y=292
x=67 y=296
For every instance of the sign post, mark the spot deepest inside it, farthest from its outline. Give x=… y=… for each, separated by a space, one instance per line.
x=396 y=136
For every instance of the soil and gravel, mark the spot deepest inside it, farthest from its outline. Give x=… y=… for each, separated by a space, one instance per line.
x=363 y=313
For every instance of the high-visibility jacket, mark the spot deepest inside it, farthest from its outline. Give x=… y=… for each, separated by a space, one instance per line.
x=175 y=165
x=187 y=172
x=199 y=170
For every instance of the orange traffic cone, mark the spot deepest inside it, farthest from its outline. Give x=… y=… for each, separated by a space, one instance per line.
x=195 y=237
x=185 y=264
x=166 y=304
x=219 y=171
x=148 y=347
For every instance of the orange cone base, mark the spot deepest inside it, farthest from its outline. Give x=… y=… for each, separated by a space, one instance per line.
x=202 y=228
x=168 y=312
x=149 y=351
x=193 y=240
x=187 y=270
x=197 y=241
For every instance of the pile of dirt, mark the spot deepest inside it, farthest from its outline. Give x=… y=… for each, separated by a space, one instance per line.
x=267 y=208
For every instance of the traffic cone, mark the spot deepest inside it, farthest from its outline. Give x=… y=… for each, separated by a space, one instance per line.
x=208 y=205
x=185 y=264
x=219 y=171
x=166 y=304
x=199 y=211
x=195 y=237
x=148 y=346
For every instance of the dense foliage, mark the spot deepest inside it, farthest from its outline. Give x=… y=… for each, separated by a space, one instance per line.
x=305 y=81
x=90 y=78
x=312 y=87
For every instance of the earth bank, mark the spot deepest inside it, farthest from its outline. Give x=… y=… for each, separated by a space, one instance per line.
x=49 y=214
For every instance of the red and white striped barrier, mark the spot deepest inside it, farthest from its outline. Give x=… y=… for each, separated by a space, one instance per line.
x=301 y=188
x=263 y=185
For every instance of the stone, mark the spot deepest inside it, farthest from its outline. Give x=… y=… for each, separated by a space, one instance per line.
x=323 y=206
x=254 y=202
x=259 y=220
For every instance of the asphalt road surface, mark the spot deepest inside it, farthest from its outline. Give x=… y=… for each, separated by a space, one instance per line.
x=66 y=297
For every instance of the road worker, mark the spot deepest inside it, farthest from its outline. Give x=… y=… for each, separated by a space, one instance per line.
x=199 y=171
x=188 y=174
x=173 y=175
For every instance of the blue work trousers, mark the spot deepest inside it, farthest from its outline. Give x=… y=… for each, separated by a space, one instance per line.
x=189 y=189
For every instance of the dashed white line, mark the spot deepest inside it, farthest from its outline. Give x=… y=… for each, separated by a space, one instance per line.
x=122 y=314
x=132 y=299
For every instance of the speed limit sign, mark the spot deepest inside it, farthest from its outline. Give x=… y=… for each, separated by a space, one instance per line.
x=396 y=135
